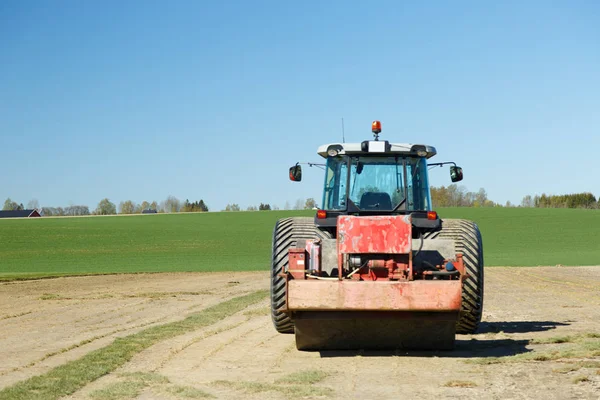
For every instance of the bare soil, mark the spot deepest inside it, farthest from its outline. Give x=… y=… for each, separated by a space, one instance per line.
x=45 y=323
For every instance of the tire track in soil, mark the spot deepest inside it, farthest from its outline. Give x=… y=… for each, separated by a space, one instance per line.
x=565 y=290
x=189 y=358
x=32 y=346
x=252 y=342
x=244 y=349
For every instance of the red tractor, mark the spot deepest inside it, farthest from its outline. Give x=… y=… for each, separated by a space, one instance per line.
x=376 y=268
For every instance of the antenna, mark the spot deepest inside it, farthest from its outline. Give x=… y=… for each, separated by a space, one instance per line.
x=343 y=133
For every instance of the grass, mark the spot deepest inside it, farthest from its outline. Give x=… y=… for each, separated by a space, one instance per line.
x=221 y=241
x=52 y=296
x=70 y=377
x=295 y=391
x=146 y=378
x=553 y=340
x=297 y=385
x=119 y=390
x=576 y=366
x=308 y=377
x=163 y=295
x=460 y=384
x=16 y=315
x=579 y=379
x=578 y=347
x=188 y=392
x=535 y=236
x=133 y=383
x=566 y=339
x=147 y=295
x=258 y=312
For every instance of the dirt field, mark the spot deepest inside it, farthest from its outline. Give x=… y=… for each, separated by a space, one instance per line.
x=46 y=323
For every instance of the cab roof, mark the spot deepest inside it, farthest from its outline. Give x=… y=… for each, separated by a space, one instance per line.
x=374 y=148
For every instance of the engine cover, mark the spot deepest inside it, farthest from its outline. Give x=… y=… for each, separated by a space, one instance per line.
x=377 y=234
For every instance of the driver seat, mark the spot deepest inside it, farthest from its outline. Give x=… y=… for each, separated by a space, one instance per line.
x=375 y=201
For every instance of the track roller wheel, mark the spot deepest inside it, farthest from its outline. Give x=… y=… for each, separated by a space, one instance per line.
x=286 y=234
x=467 y=240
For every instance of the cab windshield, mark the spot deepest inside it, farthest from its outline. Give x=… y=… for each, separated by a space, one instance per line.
x=376 y=183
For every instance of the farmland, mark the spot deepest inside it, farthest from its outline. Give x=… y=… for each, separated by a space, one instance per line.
x=202 y=242
x=201 y=328
x=209 y=335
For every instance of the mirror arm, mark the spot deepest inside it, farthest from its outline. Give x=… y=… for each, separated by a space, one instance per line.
x=319 y=165
x=311 y=164
x=441 y=164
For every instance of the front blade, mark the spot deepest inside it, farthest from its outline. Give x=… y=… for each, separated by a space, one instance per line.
x=348 y=330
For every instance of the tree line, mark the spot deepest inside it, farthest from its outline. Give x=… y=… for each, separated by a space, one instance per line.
x=301 y=204
x=574 y=200
x=106 y=207
x=450 y=196
x=458 y=196
x=170 y=205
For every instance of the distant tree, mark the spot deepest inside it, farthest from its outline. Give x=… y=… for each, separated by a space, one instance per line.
x=275 y=207
x=264 y=207
x=439 y=196
x=574 y=200
x=232 y=207
x=202 y=205
x=527 y=201
x=299 y=204
x=287 y=205
x=197 y=206
x=76 y=210
x=146 y=206
x=141 y=207
x=172 y=204
x=459 y=196
x=508 y=204
x=73 y=210
x=251 y=208
x=10 y=205
x=105 y=207
x=70 y=211
x=310 y=203
x=127 y=207
x=33 y=204
x=21 y=207
x=47 y=211
x=186 y=206
x=481 y=199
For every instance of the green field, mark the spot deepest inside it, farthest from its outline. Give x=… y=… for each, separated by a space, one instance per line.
x=241 y=241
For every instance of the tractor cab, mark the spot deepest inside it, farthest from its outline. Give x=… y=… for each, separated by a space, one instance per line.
x=377 y=177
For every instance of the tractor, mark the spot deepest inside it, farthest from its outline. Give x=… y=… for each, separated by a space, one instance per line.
x=376 y=268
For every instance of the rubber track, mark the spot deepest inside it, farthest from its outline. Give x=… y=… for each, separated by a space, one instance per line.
x=286 y=234
x=467 y=240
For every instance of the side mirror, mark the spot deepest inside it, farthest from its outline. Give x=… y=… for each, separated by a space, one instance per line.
x=456 y=174
x=296 y=173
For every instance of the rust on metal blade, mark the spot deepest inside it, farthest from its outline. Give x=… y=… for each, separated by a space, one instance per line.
x=426 y=295
x=374 y=234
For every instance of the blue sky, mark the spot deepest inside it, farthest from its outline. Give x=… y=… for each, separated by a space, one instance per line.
x=215 y=100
